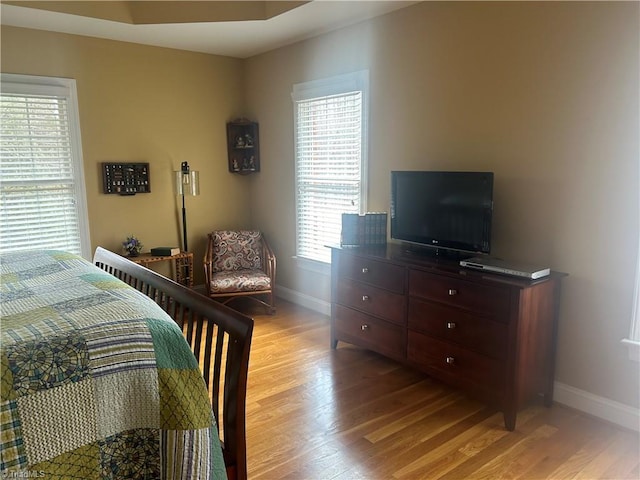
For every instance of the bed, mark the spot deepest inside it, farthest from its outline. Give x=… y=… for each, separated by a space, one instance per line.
x=113 y=371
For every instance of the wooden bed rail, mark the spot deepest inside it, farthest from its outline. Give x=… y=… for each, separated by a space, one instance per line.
x=219 y=337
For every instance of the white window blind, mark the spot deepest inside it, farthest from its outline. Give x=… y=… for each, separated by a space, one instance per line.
x=42 y=197
x=330 y=166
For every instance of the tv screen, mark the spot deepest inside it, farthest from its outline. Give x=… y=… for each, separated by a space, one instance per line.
x=451 y=210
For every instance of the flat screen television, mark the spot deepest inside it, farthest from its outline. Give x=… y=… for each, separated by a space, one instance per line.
x=443 y=210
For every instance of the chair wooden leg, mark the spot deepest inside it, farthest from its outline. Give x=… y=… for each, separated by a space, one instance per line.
x=272 y=305
x=269 y=304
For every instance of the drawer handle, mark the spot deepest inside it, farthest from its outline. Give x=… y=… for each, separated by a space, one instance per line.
x=451 y=325
x=452 y=292
x=365 y=270
x=365 y=298
x=450 y=360
x=364 y=327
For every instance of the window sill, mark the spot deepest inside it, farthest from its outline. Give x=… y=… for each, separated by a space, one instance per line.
x=634 y=349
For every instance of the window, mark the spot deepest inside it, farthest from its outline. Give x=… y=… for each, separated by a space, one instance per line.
x=42 y=193
x=330 y=151
x=633 y=342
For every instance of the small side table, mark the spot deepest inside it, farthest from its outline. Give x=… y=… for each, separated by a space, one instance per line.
x=182 y=265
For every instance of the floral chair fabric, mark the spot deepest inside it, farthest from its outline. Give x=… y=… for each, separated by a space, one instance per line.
x=237 y=250
x=239 y=263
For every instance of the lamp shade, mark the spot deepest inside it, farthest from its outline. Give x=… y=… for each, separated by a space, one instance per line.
x=187 y=181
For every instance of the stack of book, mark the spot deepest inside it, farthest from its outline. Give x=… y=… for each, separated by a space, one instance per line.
x=164 y=251
x=367 y=229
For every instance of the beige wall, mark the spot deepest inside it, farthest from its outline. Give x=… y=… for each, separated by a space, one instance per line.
x=146 y=104
x=543 y=94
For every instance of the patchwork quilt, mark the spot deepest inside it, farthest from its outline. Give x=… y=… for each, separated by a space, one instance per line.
x=97 y=382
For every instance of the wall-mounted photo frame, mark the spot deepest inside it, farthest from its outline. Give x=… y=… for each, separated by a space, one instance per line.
x=125 y=178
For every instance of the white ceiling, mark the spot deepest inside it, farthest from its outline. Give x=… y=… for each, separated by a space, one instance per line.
x=239 y=39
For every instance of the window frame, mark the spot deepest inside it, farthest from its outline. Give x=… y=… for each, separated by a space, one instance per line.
x=330 y=86
x=35 y=85
x=633 y=341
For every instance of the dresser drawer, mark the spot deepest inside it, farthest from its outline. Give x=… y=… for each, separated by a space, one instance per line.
x=381 y=303
x=456 y=364
x=380 y=274
x=459 y=326
x=368 y=332
x=487 y=299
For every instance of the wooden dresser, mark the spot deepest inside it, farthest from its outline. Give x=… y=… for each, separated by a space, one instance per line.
x=491 y=335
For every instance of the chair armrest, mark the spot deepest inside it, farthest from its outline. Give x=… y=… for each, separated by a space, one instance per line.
x=208 y=264
x=269 y=260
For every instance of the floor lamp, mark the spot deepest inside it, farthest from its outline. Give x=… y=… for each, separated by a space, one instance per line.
x=187 y=183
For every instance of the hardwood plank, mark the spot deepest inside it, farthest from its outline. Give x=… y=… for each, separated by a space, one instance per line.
x=609 y=459
x=516 y=458
x=348 y=414
x=449 y=454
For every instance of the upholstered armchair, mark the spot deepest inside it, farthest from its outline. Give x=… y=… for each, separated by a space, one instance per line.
x=240 y=263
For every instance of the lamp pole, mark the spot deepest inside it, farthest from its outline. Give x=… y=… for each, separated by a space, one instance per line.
x=185 y=172
x=184 y=225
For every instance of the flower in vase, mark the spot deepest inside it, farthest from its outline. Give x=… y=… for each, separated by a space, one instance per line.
x=133 y=246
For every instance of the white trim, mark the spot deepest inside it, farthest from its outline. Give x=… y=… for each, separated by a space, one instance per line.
x=633 y=342
x=35 y=84
x=79 y=180
x=66 y=87
x=601 y=407
x=304 y=300
x=633 y=347
x=336 y=85
x=634 y=333
x=293 y=296
x=357 y=81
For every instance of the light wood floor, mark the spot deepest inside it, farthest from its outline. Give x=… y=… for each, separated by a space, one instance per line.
x=317 y=413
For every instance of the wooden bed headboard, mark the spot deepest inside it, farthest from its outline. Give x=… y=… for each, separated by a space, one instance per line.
x=219 y=337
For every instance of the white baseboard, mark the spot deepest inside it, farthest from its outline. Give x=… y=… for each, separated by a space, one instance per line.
x=304 y=300
x=601 y=407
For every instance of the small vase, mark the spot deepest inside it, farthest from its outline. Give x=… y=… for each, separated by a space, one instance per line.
x=133 y=253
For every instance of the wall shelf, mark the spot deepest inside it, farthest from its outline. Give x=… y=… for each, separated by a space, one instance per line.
x=243 y=147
